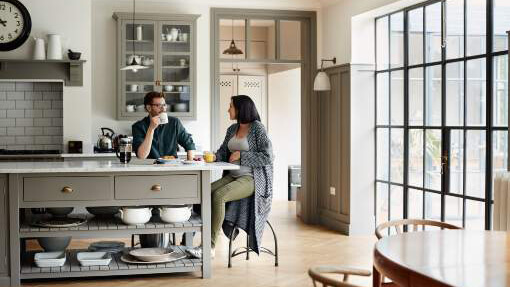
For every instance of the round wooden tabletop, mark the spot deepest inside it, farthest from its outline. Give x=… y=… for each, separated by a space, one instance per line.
x=444 y=258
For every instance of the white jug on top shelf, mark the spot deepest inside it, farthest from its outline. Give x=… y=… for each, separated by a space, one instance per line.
x=39 y=49
x=54 y=47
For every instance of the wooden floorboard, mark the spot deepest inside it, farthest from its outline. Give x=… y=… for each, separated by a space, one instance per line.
x=301 y=246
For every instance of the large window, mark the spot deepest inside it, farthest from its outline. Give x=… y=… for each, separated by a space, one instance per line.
x=441 y=110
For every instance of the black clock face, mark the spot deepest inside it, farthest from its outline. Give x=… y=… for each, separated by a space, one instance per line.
x=15 y=24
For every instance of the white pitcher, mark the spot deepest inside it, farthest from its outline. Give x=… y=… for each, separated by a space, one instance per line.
x=39 y=49
x=54 y=47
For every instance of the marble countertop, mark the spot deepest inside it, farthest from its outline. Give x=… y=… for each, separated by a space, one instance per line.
x=106 y=166
x=111 y=154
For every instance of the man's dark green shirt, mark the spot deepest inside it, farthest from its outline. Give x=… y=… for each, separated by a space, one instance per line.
x=166 y=137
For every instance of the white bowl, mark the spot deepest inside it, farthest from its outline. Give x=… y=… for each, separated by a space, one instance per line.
x=50 y=259
x=94 y=258
x=135 y=215
x=175 y=213
x=180 y=107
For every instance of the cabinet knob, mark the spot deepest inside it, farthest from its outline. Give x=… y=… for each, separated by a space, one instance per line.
x=156 y=187
x=67 y=189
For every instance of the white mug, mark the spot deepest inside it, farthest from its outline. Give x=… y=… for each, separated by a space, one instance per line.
x=163 y=118
x=133 y=88
x=130 y=108
x=182 y=62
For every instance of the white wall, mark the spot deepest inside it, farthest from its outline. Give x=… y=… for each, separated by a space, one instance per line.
x=284 y=124
x=72 y=20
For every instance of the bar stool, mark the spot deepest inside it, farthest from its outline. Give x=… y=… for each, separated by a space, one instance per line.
x=247 y=249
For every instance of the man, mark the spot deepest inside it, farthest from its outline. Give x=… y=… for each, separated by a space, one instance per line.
x=154 y=140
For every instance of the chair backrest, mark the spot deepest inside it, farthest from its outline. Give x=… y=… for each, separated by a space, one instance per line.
x=398 y=225
x=316 y=273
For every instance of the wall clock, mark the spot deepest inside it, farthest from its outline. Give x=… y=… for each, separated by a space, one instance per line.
x=15 y=24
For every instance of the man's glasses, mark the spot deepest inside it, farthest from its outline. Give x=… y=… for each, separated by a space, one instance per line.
x=159 y=105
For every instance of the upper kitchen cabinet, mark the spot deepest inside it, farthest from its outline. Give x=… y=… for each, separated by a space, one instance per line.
x=165 y=44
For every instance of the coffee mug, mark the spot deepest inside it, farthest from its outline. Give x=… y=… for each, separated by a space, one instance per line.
x=133 y=88
x=163 y=118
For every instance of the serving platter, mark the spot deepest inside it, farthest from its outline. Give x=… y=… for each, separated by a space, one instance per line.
x=133 y=260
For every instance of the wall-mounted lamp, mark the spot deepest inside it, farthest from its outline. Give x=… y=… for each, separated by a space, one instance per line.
x=321 y=82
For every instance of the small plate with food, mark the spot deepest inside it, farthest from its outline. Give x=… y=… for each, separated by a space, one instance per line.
x=168 y=159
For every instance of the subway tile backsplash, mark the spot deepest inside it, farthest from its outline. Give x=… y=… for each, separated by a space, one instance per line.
x=31 y=115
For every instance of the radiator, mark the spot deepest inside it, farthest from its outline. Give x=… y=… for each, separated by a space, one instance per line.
x=501 y=202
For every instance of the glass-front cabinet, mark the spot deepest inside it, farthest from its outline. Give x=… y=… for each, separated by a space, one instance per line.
x=165 y=45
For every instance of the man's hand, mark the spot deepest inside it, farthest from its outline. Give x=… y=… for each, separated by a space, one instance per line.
x=154 y=122
x=235 y=156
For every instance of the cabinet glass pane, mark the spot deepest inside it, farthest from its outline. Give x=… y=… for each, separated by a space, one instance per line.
x=263 y=39
x=475 y=93
x=175 y=38
x=383 y=98
x=415 y=158
x=382 y=43
x=415 y=203
x=475 y=163
x=397 y=155
x=415 y=36
x=416 y=97
x=433 y=32
x=382 y=203
x=290 y=40
x=383 y=141
x=500 y=89
x=456 y=161
x=433 y=159
x=134 y=97
x=501 y=24
x=232 y=30
x=476 y=29
x=433 y=96
x=455 y=94
x=397 y=98
x=397 y=40
x=396 y=202
x=454 y=29
x=453 y=210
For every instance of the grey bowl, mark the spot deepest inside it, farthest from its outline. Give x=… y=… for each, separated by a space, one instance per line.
x=103 y=211
x=59 y=211
x=50 y=244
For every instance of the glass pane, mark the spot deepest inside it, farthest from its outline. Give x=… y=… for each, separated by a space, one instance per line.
x=383 y=98
x=397 y=40
x=499 y=151
x=433 y=33
x=415 y=20
x=453 y=210
x=397 y=98
x=232 y=30
x=476 y=31
x=397 y=155
x=454 y=29
x=415 y=199
x=433 y=159
x=382 y=203
x=432 y=206
x=500 y=87
x=475 y=215
x=382 y=43
x=433 y=96
x=290 y=40
x=396 y=203
x=383 y=138
x=416 y=97
x=455 y=94
x=456 y=161
x=475 y=93
x=501 y=24
x=263 y=39
x=475 y=163
x=415 y=158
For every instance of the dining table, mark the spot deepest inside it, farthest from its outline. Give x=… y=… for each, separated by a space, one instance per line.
x=443 y=258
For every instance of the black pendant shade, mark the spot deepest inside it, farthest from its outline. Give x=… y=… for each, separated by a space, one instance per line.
x=233 y=50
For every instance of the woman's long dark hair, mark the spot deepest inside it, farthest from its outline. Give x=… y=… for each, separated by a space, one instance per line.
x=245 y=109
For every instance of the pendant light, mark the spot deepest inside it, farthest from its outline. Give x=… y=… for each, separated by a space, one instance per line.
x=233 y=50
x=321 y=82
x=134 y=65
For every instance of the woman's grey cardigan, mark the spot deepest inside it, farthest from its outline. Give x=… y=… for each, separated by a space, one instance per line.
x=250 y=214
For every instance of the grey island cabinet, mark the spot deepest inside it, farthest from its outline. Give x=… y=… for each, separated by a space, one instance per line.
x=27 y=185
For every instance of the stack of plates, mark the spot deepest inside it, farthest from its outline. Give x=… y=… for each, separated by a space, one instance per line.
x=107 y=246
x=60 y=222
x=151 y=256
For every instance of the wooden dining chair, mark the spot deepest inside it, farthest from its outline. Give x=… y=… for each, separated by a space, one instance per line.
x=317 y=275
x=399 y=225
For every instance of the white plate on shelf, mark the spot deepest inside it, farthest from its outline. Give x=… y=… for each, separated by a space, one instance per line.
x=151 y=254
x=94 y=258
x=133 y=260
x=50 y=259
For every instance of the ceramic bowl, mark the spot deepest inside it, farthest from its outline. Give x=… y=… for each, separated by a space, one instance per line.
x=103 y=211
x=59 y=211
x=135 y=215
x=50 y=244
x=140 y=108
x=180 y=107
x=175 y=213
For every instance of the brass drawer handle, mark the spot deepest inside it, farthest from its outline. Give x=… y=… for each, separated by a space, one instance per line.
x=67 y=189
x=156 y=187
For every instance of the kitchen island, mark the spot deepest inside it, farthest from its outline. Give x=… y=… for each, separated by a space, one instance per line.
x=28 y=185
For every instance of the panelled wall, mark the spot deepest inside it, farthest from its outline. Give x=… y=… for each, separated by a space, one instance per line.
x=345 y=192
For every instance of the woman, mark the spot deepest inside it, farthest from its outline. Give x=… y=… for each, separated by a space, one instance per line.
x=247 y=192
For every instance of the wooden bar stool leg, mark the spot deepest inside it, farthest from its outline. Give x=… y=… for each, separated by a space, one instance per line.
x=376 y=278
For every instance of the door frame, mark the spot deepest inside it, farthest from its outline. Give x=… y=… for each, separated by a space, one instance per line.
x=309 y=105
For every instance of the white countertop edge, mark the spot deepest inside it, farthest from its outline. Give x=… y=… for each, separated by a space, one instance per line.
x=106 y=166
x=112 y=154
